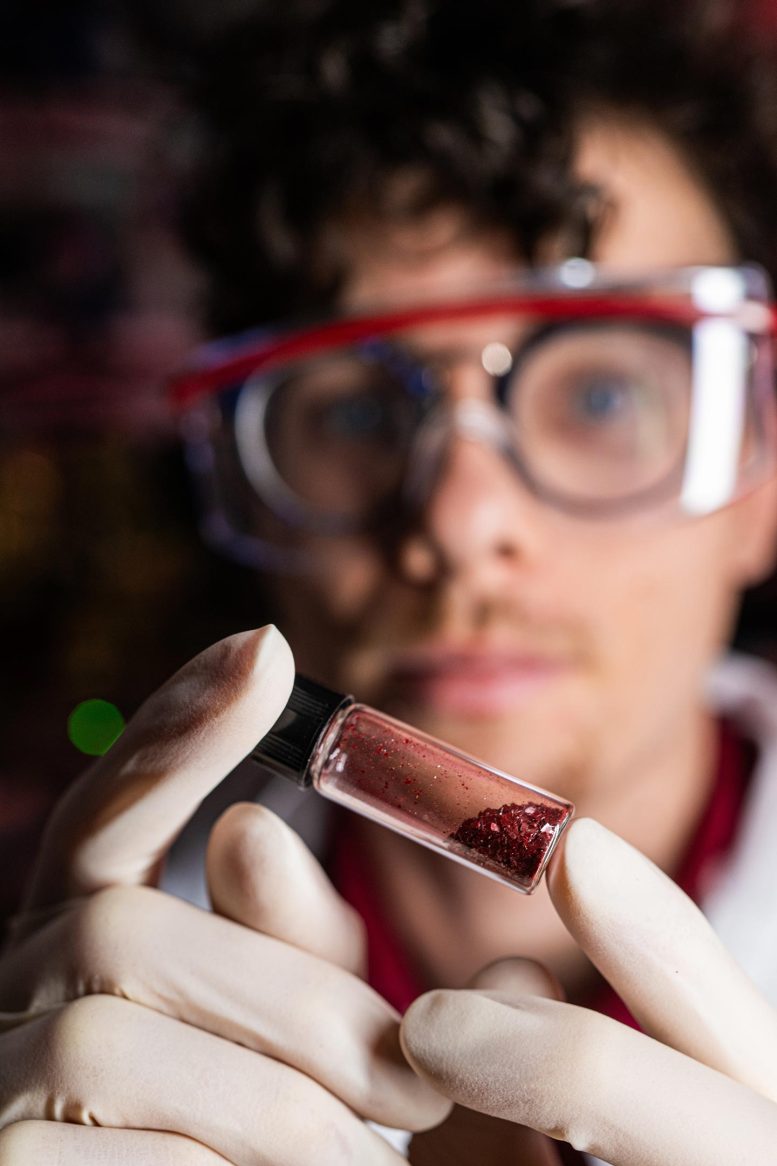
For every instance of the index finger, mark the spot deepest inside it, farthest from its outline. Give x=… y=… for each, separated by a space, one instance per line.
x=117 y=821
x=585 y=1079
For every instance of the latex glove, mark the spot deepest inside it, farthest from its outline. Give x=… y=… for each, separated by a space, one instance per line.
x=700 y=1090
x=163 y=1033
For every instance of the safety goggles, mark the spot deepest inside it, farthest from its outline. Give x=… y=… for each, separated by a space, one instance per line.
x=609 y=397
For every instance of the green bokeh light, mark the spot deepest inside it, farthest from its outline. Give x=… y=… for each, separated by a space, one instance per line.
x=94 y=725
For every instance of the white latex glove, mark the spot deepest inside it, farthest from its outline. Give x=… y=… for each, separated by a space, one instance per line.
x=137 y=1029
x=700 y=1090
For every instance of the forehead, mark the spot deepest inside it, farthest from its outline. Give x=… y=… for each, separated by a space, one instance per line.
x=657 y=214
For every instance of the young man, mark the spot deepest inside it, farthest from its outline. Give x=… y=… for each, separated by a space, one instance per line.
x=513 y=498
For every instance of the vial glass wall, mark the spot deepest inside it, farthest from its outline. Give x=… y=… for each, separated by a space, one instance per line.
x=442 y=798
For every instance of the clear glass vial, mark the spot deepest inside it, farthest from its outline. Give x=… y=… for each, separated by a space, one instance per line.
x=415 y=784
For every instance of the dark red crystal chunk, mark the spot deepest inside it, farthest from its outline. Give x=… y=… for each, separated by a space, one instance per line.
x=515 y=837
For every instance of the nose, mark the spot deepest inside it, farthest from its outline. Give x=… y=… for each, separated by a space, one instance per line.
x=478 y=519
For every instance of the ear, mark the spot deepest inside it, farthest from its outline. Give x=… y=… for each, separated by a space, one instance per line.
x=754 y=546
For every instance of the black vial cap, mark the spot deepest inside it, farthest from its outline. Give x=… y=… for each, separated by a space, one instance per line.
x=291 y=742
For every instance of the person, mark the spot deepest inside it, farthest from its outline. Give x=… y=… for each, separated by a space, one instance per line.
x=496 y=426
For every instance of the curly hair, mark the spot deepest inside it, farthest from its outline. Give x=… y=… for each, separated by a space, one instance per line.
x=309 y=111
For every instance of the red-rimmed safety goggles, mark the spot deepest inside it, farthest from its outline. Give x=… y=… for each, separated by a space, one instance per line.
x=608 y=395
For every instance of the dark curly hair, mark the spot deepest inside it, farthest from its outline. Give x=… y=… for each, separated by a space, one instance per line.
x=310 y=109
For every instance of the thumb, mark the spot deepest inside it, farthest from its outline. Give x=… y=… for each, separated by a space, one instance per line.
x=117 y=821
x=467 y=1135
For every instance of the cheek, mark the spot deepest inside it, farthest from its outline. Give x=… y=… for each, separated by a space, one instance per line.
x=346 y=575
x=324 y=609
x=664 y=608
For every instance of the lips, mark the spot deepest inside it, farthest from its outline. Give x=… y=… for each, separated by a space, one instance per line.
x=472 y=683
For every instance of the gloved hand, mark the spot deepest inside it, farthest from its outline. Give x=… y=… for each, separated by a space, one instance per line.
x=139 y=1029
x=700 y=1090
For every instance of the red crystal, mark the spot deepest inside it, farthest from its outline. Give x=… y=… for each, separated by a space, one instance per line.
x=514 y=837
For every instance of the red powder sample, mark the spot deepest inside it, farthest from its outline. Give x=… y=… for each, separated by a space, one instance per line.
x=515 y=837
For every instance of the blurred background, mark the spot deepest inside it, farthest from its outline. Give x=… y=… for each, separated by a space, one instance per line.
x=105 y=588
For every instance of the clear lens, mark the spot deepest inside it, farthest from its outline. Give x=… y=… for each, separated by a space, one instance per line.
x=334 y=432
x=602 y=412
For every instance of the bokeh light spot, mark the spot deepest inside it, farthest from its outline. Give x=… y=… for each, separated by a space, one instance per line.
x=497 y=359
x=93 y=726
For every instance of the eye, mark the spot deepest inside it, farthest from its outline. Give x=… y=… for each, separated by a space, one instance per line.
x=602 y=397
x=354 y=416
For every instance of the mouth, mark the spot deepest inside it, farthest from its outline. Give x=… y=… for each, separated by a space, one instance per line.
x=474 y=684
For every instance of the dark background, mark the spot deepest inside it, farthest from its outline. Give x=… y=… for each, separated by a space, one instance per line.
x=104 y=587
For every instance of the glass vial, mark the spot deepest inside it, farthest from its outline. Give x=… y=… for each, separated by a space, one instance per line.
x=415 y=784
